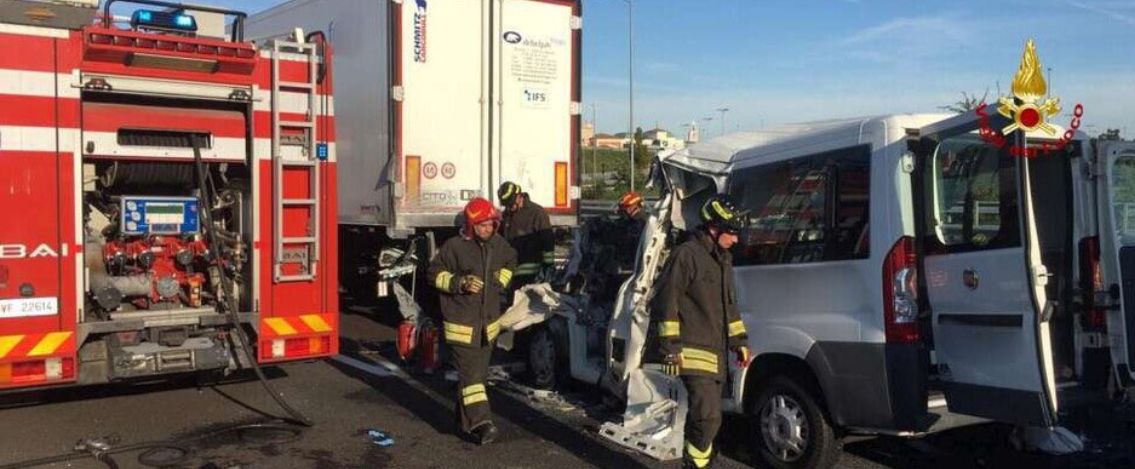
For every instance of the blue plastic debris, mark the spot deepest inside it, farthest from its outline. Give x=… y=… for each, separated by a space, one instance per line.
x=380 y=438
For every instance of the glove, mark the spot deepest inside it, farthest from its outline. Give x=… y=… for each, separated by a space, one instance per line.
x=672 y=365
x=472 y=284
x=744 y=356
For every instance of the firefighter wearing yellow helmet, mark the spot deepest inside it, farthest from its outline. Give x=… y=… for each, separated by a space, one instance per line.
x=697 y=322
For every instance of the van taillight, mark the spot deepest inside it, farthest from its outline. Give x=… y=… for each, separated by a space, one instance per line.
x=1091 y=282
x=900 y=293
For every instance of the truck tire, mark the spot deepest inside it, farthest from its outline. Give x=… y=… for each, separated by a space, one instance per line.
x=791 y=430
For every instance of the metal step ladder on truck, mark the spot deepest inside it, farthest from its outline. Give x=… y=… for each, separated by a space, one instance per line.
x=170 y=192
x=439 y=103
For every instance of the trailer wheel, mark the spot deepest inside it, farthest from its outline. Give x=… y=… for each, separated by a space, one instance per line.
x=544 y=365
x=792 y=431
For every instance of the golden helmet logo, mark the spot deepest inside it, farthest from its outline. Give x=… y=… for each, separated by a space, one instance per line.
x=1030 y=109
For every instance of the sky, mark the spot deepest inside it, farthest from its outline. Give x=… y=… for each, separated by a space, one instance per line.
x=779 y=61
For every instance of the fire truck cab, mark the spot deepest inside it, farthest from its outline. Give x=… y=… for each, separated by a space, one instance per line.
x=166 y=185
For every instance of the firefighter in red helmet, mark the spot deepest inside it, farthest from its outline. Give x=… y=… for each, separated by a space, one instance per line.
x=471 y=271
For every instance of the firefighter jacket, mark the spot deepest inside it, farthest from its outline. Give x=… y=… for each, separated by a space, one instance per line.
x=695 y=307
x=529 y=230
x=469 y=316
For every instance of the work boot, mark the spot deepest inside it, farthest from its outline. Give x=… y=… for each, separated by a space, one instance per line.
x=485 y=433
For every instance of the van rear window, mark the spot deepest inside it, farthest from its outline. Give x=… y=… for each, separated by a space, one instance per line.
x=972 y=197
x=808 y=209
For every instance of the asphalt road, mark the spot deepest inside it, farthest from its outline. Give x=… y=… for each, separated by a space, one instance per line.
x=361 y=391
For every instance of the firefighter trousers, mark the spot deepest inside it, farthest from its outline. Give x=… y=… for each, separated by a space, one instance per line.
x=472 y=365
x=703 y=419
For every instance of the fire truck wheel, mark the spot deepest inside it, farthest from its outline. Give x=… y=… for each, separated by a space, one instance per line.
x=544 y=365
x=791 y=429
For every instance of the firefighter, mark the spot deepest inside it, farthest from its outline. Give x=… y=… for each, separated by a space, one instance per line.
x=528 y=229
x=471 y=271
x=697 y=322
x=627 y=231
x=631 y=206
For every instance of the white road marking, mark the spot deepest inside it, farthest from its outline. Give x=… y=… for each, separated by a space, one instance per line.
x=381 y=367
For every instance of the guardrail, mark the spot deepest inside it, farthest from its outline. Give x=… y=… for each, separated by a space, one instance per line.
x=594 y=207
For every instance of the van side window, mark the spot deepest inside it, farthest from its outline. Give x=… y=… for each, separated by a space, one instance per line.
x=808 y=209
x=972 y=198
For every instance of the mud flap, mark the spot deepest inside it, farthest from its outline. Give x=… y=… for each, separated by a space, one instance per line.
x=655 y=419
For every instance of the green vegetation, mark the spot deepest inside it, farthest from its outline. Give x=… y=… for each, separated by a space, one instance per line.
x=607 y=172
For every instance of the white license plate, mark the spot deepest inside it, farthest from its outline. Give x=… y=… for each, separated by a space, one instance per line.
x=25 y=307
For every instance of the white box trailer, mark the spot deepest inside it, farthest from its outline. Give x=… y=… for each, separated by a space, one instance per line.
x=440 y=101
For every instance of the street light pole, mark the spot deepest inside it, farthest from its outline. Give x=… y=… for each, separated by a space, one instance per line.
x=594 y=146
x=707 y=120
x=723 y=110
x=630 y=78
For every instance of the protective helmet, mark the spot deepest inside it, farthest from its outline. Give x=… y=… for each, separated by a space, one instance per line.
x=480 y=210
x=508 y=192
x=720 y=211
x=630 y=199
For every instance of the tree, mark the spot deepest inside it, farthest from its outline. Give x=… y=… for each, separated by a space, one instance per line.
x=1110 y=134
x=968 y=103
x=642 y=155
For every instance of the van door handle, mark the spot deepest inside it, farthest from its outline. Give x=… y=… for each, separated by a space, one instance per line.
x=971 y=279
x=1041 y=275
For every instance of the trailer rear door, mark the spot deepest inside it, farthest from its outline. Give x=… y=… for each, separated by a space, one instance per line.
x=536 y=83
x=440 y=106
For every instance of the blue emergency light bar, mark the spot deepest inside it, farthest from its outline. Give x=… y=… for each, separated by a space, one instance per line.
x=172 y=21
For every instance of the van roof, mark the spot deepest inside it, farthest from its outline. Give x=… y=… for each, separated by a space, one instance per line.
x=717 y=154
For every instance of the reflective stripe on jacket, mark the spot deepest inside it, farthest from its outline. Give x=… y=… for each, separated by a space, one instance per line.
x=529 y=231
x=694 y=311
x=466 y=317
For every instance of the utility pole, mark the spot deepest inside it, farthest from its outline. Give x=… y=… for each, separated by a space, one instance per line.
x=594 y=146
x=723 y=110
x=630 y=78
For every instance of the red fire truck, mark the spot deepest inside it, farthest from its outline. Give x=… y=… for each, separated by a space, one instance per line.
x=167 y=191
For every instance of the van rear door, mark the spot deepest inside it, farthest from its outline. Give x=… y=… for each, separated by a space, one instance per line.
x=982 y=276
x=1116 y=195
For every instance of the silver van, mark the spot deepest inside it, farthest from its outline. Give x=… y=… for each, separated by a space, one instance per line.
x=902 y=275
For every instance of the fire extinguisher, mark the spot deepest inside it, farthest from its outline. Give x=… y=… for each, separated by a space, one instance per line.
x=407 y=339
x=429 y=352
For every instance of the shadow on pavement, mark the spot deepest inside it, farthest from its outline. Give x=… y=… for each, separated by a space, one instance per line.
x=198 y=380
x=440 y=415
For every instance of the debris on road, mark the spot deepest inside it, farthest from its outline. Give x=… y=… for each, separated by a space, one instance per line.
x=1055 y=440
x=380 y=438
x=654 y=421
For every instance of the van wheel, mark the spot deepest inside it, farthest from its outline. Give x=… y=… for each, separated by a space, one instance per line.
x=543 y=364
x=792 y=431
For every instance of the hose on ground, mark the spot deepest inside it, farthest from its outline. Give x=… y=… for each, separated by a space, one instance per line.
x=224 y=305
